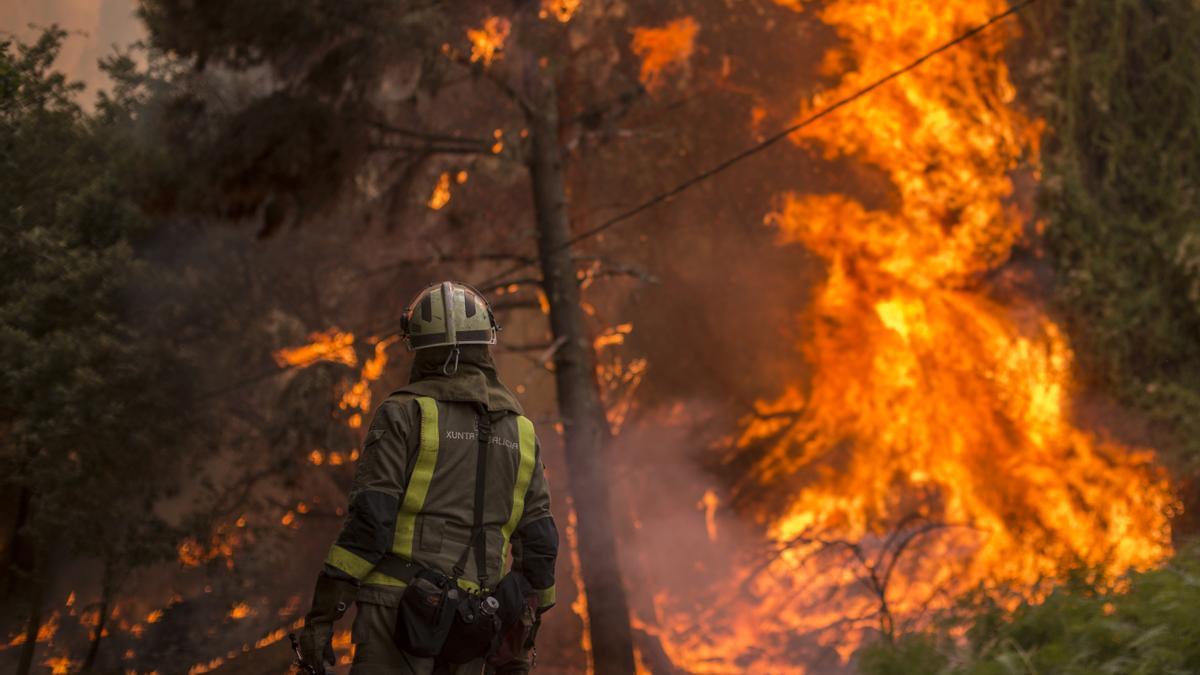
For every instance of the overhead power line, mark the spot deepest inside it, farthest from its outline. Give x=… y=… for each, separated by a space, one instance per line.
x=768 y=142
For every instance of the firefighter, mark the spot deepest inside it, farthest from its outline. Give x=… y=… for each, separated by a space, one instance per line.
x=420 y=518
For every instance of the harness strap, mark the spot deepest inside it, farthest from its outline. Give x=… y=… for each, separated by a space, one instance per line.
x=478 y=539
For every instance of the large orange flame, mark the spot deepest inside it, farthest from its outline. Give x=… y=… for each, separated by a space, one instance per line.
x=923 y=383
x=664 y=49
x=934 y=448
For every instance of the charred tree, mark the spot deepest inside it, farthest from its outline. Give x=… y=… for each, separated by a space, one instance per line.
x=102 y=618
x=586 y=433
x=25 y=665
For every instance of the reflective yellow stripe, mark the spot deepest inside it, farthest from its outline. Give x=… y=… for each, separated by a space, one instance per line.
x=348 y=562
x=418 y=485
x=546 y=597
x=524 y=475
x=381 y=579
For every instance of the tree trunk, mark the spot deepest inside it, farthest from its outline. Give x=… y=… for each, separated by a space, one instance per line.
x=98 y=631
x=585 y=426
x=15 y=556
x=31 y=634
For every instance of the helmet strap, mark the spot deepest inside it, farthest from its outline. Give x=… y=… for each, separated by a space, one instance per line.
x=446 y=369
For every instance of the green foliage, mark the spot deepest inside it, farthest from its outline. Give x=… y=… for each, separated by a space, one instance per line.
x=286 y=125
x=1121 y=193
x=1152 y=628
x=92 y=406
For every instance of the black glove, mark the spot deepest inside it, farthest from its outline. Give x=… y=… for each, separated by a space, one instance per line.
x=331 y=599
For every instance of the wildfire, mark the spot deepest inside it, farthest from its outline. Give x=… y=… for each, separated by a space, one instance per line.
x=934 y=447
x=221 y=544
x=358 y=396
x=487 y=42
x=45 y=633
x=331 y=345
x=663 y=49
x=619 y=379
x=944 y=391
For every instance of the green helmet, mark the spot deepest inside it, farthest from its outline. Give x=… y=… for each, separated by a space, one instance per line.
x=449 y=313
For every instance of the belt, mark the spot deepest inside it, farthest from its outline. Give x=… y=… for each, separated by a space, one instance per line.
x=398 y=567
x=405 y=570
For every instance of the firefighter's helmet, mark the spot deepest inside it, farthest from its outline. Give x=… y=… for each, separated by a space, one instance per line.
x=449 y=313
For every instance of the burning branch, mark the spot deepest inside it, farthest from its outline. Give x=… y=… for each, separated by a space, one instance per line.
x=874 y=563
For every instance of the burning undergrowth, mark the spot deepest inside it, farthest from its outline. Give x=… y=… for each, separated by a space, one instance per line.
x=934 y=448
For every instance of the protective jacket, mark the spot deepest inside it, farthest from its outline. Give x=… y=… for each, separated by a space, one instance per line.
x=414 y=491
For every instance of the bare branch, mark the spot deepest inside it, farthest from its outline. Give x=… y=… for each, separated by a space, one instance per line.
x=430 y=149
x=430 y=137
x=492 y=76
x=503 y=305
x=523 y=281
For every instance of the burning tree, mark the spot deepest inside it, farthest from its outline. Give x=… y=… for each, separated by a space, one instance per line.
x=360 y=103
x=940 y=390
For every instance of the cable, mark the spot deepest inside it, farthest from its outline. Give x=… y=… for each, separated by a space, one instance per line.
x=768 y=142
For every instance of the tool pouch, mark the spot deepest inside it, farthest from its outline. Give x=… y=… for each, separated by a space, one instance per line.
x=473 y=633
x=518 y=618
x=426 y=614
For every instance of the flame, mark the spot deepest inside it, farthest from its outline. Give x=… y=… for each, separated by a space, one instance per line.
x=221 y=544
x=663 y=49
x=240 y=611
x=612 y=336
x=579 y=606
x=562 y=10
x=709 y=503
x=943 y=390
x=618 y=379
x=338 y=346
x=359 y=394
x=441 y=193
x=45 y=633
x=934 y=447
x=201 y=668
x=60 y=665
x=487 y=42
x=331 y=345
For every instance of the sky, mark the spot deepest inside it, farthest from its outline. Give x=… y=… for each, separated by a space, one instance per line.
x=95 y=26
